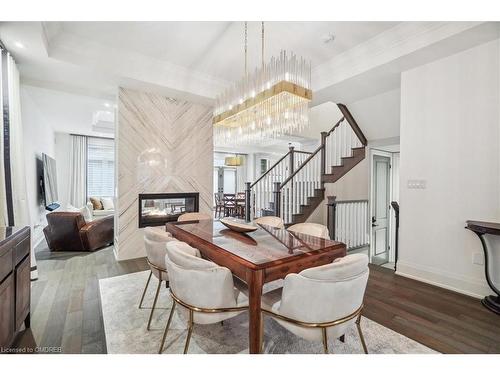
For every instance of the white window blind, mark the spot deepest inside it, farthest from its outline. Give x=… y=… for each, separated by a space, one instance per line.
x=100 y=167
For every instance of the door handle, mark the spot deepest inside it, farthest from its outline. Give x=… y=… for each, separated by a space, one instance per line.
x=374 y=221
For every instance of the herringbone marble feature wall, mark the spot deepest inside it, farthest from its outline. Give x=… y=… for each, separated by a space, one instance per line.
x=163 y=146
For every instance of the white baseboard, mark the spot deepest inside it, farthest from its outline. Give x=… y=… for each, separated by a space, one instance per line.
x=447 y=280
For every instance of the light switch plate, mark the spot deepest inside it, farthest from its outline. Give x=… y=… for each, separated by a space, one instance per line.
x=417 y=184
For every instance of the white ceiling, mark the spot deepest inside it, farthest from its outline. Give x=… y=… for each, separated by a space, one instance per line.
x=216 y=48
x=64 y=112
x=197 y=60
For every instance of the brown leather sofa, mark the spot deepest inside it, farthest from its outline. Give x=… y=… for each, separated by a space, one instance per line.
x=68 y=231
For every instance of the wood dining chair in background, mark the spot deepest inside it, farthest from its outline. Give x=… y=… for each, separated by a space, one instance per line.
x=229 y=204
x=240 y=205
x=219 y=204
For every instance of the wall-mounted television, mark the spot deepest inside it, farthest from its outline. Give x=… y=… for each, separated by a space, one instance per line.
x=48 y=182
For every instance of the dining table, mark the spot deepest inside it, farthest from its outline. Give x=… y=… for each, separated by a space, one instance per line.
x=256 y=258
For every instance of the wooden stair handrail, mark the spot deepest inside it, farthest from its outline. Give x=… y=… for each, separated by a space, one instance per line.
x=312 y=154
x=275 y=164
x=335 y=126
x=347 y=116
x=270 y=169
x=352 y=122
x=301 y=166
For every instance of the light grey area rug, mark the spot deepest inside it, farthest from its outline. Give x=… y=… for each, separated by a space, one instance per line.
x=125 y=328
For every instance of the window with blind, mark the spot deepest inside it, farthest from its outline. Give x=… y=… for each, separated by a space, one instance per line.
x=100 y=167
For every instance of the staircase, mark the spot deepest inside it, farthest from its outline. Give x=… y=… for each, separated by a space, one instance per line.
x=295 y=185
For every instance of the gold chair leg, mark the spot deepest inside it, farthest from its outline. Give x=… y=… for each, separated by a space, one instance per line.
x=358 y=325
x=190 y=331
x=154 y=304
x=167 y=327
x=145 y=288
x=325 y=340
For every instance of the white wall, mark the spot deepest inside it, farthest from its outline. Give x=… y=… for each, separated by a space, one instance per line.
x=449 y=138
x=378 y=116
x=68 y=113
x=38 y=138
x=322 y=118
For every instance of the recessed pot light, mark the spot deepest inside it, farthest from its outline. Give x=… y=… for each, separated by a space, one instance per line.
x=19 y=45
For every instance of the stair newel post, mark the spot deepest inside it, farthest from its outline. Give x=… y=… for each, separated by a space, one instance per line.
x=277 y=199
x=323 y=152
x=292 y=170
x=331 y=214
x=248 y=195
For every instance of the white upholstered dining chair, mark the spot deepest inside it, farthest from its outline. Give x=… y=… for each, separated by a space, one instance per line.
x=191 y=216
x=311 y=229
x=202 y=289
x=323 y=301
x=155 y=242
x=272 y=221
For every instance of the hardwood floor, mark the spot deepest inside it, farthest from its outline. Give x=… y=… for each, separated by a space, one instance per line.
x=66 y=306
x=66 y=310
x=443 y=320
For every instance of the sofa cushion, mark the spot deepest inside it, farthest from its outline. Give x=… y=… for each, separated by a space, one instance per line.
x=102 y=213
x=87 y=215
x=96 y=203
x=107 y=204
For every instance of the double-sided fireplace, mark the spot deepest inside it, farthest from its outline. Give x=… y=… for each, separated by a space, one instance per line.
x=160 y=208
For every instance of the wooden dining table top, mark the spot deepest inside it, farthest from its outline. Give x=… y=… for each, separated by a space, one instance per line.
x=265 y=247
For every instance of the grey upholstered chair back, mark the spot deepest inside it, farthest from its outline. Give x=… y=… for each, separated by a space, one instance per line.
x=325 y=294
x=272 y=221
x=155 y=243
x=191 y=216
x=311 y=229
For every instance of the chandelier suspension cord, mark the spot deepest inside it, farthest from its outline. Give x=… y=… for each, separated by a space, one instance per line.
x=262 y=44
x=246 y=48
x=267 y=101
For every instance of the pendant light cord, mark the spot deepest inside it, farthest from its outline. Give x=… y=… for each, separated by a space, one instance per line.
x=246 y=48
x=262 y=45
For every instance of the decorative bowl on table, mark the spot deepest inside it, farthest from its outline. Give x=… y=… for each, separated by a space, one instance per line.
x=238 y=225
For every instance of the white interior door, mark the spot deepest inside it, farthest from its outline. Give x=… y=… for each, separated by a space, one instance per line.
x=380 y=209
x=218 y=188
x=229 y=180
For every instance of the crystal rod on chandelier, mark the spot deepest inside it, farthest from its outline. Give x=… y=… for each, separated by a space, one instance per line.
x=270 y=102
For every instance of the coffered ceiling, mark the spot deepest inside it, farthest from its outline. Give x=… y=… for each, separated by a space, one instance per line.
x=217 y=48
x=197 y=60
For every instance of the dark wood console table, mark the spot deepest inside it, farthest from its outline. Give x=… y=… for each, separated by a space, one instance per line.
x=481 y=228
x=15 y=282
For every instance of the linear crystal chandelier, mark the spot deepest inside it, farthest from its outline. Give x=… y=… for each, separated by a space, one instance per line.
x=268 y=103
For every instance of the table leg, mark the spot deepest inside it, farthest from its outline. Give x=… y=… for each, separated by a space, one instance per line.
x=490 y=302
x=255 y=282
